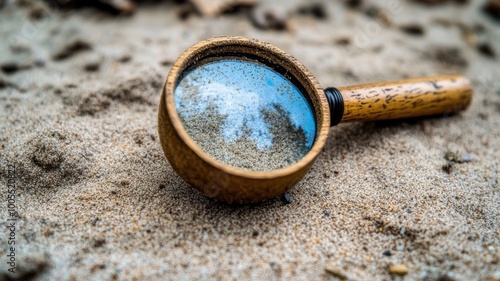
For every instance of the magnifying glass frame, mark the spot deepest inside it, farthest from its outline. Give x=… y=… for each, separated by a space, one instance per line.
x=212 y=177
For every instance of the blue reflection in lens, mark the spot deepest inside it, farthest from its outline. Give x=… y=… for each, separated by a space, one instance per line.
x=245 y=114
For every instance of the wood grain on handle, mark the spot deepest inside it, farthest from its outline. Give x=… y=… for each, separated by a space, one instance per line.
x=406 y=98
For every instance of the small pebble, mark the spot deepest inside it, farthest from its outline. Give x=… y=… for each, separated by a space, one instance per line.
x=492 y=8
x=343 y=41
x=97 y=243
x=413 y=29
x=125 y=59
x=166 y=62
x=97 y=266
x=328 y=213
x=10 y=67
x=287 y=198
x=335 y=271
x=486 y=49
x=353 y=3
x=448 y=167
x=398 y=269
x=92 y=66
x=466 y=157
x=316 y=10
x=387 y=253
x=71 y=48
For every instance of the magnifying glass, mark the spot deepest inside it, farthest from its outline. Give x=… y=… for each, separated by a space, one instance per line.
x=243 y=121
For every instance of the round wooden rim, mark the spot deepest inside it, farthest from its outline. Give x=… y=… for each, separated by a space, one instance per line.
x=221 y=44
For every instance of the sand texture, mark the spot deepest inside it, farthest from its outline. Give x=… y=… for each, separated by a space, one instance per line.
x=98 y=200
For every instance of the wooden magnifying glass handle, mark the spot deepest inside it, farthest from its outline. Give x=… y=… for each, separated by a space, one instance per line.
x=401 y=99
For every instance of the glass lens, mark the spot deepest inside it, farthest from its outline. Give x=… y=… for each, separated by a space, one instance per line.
x=245 y=114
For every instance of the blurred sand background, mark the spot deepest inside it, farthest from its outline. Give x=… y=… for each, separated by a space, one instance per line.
x=98 y=200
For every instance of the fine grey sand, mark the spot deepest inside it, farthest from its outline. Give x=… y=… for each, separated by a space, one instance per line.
x=97 y=199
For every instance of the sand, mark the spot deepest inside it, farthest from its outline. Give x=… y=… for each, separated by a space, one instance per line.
x=97 y=198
